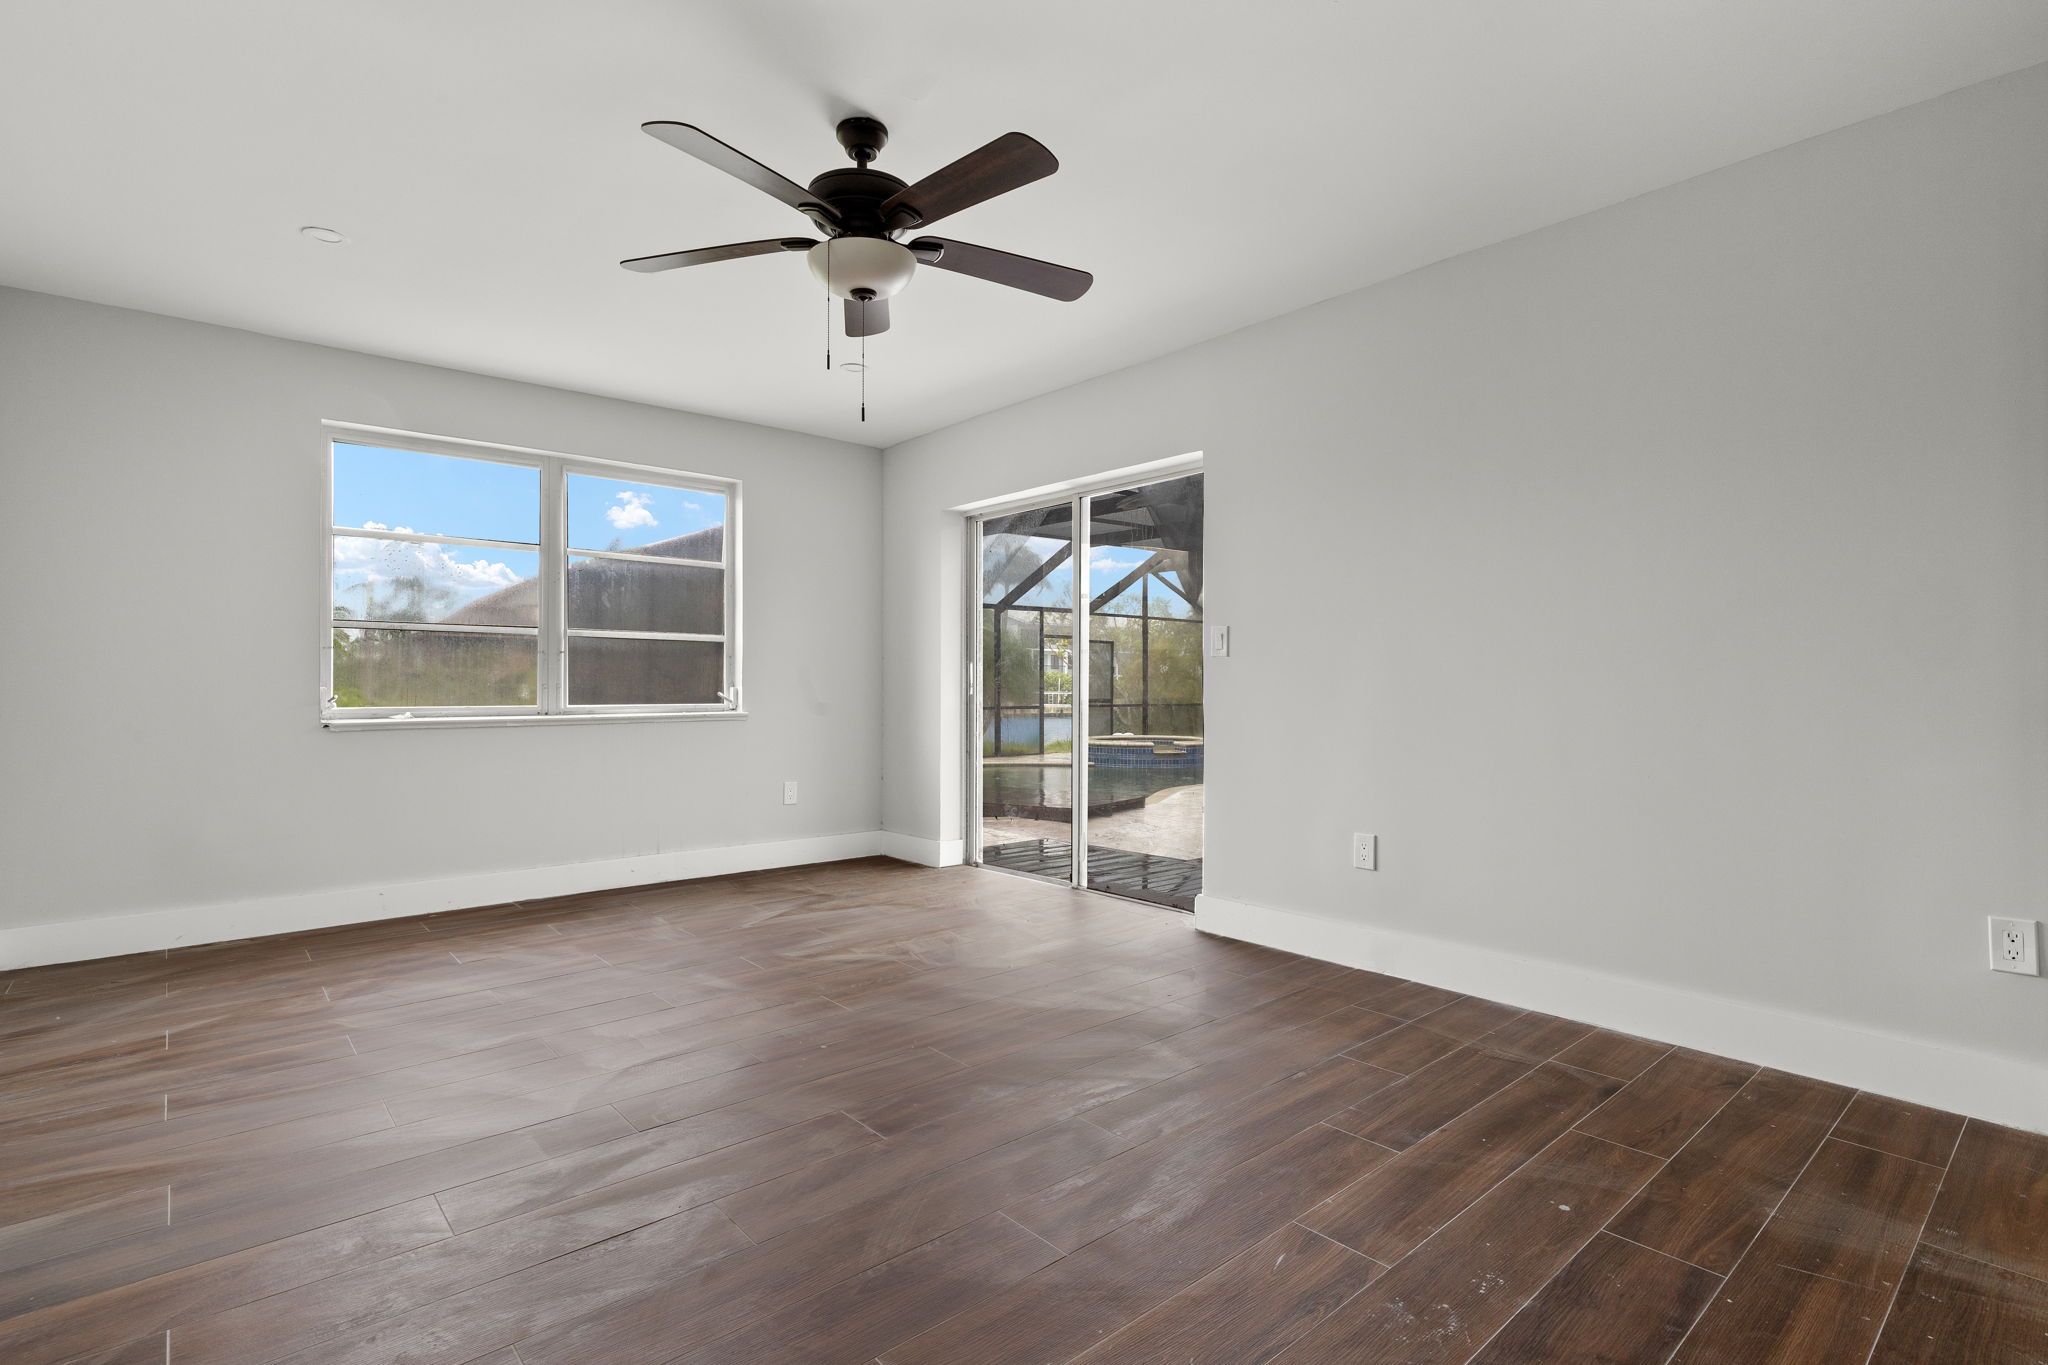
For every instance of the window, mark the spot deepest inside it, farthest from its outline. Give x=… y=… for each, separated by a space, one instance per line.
x=477 y=584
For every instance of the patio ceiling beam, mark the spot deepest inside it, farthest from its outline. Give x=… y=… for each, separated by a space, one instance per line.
x=1176 y=589
x=1036 y=576
x=1104 y=598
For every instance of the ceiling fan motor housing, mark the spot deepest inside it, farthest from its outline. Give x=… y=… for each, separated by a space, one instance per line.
x=855 y=194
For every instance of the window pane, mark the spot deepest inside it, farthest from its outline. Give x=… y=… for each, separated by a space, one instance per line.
x=646 y=518
x=376 y=489
x=606 y=672
x=406 y=580
x=432 y=668
x=626 y=594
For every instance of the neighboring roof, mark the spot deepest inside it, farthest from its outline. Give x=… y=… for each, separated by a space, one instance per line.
x=522 y=599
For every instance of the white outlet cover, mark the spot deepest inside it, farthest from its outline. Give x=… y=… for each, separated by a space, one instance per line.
x=1365 y=852
x=2015 y=946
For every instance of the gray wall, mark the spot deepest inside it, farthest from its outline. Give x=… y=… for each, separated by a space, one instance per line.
x=160 y=526
x=1664 y=588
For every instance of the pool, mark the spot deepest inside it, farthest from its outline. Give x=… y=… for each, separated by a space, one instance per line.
x=1046 y=791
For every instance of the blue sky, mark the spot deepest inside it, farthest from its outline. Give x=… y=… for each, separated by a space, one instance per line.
x=378 y=489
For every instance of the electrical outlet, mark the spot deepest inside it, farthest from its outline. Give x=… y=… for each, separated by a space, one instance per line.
x=2015 y=946
x=1365 y=852
x=789 y=793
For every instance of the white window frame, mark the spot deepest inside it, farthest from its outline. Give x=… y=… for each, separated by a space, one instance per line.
x=551 y=706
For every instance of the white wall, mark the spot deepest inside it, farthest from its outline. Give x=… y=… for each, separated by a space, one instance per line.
x=162 y=565
x=1666 y=589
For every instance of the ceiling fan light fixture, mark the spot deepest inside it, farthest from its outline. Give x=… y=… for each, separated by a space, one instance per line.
x=849 y=266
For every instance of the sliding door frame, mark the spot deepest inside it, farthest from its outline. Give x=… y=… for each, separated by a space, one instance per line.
x=1077 y=495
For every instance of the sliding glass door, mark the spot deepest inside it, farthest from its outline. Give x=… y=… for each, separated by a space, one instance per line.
x=1026 y=625
x=1089 y=691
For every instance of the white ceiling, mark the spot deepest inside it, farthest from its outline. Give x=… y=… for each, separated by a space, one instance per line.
x=1222 y=163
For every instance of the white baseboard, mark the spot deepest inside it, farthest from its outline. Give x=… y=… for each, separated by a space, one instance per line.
x=1982 y=1085
x=113 y=935
x=930 y=852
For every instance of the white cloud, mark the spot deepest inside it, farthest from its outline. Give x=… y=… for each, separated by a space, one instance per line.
x=1116 y=562
x=360 y=561
x=631 y=512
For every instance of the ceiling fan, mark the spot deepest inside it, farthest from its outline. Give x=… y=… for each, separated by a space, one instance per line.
x=864 y=213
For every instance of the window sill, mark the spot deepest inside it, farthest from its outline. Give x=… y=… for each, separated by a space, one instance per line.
x=491 y=722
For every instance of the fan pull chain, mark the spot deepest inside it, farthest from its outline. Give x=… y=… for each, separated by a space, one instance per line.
x=863 y=360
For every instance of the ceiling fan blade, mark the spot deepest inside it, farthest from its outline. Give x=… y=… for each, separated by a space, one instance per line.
x=708 y=149
x=867 y=319
x=1010 y=161
x=1003 y=267
x=705 y=255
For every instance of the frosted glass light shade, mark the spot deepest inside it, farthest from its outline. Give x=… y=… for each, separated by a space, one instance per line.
x=845 y=264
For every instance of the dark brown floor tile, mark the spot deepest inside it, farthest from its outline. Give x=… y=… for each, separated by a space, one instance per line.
x=1406 y=1049
x=55 y=1234
x=149 y=1350
x=690 y=1308
x=1994 y=1202
x=1716 y=1193
x=282 y=1324
x=1392 y=995
x=1402 y=1114
x=150 y=1305
x=1908 y=1130
x=1389 y=1213
x=536 y=1186
x=1470 y=1018
x=1146 y=1178
x=1821 y=1275
x=1659 y=1110
x=1225 y=1036
x=907 y=1107
x=1619 y=1055
x=1819 y=1278
x=263 y=1216
x=1774 y=1315
x=1193 y=1095
x=1077 y=1300
x=493 y=1316
x=859 y=1318
x=1853 y=1215
x=1952 y=1309
x=1533 y=1037
x=1247 y=1311
x=1443 y=1302
x=774 y=1207
x=1337 y=1032
x=1615 y=1304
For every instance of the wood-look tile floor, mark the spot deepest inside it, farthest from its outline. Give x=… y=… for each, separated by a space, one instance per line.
x=868 y=1112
